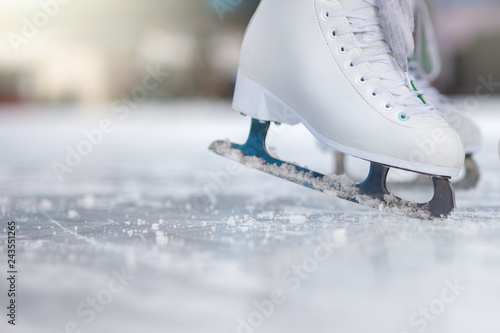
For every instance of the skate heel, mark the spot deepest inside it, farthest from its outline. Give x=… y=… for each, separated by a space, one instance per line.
x=254 y=100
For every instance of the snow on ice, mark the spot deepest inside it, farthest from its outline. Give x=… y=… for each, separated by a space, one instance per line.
x=149 y=234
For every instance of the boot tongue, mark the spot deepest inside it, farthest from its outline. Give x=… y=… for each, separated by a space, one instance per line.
x=396 y=17
x=397 y=21
x=400 y=48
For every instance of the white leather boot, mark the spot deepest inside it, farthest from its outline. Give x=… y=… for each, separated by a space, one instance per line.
x=324 y=63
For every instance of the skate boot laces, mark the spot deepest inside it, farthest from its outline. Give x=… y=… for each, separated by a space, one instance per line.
x=443 y=102
x=366 y=26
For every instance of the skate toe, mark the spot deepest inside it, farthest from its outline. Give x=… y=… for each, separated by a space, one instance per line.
x=436 y=151
x=466 y=128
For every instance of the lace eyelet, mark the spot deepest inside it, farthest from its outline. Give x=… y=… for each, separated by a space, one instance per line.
x=333 y=33
x=387 y=106
x=362 y=80
x=326 y=14
x=350 y=65
x=342 y=49
x=403 y=117
x=373 y=94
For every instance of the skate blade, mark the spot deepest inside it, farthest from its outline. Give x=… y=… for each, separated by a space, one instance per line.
x=372 y=192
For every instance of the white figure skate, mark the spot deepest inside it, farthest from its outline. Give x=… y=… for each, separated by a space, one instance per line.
x=326 y=64
x=425 y=66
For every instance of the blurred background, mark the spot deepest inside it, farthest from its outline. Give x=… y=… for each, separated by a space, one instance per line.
x=84 y=52
x=151 y=198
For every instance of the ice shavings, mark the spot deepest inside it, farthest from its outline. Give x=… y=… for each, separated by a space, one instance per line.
x=297 y=219
x=72 y=214
x=339 y=186
x=161 y=239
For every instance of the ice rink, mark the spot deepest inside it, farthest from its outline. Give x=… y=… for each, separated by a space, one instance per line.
x=151 y=232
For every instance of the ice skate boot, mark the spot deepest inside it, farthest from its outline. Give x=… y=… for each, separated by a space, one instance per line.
x=327 y=64
x=425 y=66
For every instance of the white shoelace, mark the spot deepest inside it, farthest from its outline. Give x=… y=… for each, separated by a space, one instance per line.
x=370 y=39
x=442 y=102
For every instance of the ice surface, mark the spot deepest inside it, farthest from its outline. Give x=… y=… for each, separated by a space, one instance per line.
x=209 y=245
